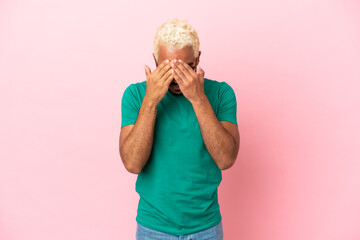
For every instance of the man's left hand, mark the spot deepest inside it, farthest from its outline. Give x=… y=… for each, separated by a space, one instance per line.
x=191 y=83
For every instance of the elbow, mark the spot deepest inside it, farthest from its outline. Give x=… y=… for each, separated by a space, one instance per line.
x=131 y=168
x=227 y=164
x=229 y=161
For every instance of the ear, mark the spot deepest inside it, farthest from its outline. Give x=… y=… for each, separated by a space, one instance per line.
x=198 y=58
x=155 y=60
x=200 y=73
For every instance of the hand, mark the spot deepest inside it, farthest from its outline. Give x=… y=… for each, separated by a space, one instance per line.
x=191 y=83
x=158 y=82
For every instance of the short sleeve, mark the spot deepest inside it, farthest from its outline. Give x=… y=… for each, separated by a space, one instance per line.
x=227 y=104
x=129 y=106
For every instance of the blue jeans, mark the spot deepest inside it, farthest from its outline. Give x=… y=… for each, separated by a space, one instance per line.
x=213 y=233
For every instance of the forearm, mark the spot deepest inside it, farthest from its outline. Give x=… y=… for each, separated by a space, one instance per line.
x=137 y=145
x=219 y=143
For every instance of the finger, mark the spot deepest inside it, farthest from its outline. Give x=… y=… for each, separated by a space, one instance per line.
x=201 y=72
x=169 y=79
x=184 y=66
x=166 y=75
x=178 y=78
x=163 y=71
x=184 y=71
x=163 y=64
x=147 y=70
x=179 y=72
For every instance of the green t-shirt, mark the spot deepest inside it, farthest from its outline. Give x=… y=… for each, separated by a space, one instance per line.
x=178 y=184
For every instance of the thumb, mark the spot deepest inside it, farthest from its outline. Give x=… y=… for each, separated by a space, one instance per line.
x=147 y=70
x=201 y=72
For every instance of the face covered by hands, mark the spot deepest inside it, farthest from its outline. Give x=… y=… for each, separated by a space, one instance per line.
x=191 y=83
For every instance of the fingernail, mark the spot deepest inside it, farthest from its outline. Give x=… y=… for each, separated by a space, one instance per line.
x=167 y=60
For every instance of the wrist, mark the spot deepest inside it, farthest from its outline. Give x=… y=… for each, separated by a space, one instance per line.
x=199 y=100
x=149 y=103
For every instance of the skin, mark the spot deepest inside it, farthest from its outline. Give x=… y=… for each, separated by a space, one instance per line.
x=221 y=138
x=186 y=54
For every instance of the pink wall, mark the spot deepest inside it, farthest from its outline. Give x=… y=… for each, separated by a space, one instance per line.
x=295 y=67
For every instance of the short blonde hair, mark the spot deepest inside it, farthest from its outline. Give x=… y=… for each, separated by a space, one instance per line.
x=176 y=34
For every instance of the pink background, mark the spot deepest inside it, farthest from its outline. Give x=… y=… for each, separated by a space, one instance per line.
x=294 y=66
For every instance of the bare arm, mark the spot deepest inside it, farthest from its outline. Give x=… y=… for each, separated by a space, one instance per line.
x=136 y=141
x=221 y=138
x=221 y=145
x=135 y=148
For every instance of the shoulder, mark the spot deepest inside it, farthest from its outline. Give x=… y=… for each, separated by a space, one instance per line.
x=217 y=86
x=135 y=88
x=136 y=85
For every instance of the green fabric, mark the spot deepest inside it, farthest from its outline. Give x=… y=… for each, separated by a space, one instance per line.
x=178 y=185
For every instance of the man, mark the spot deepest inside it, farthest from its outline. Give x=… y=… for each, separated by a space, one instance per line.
x=178 y=131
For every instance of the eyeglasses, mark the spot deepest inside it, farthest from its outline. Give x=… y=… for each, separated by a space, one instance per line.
x=193 y=68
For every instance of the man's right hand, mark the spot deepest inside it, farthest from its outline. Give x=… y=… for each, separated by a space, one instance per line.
x=158 y=82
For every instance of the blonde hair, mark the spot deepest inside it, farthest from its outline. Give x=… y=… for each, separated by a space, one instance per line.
x=176 y=34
